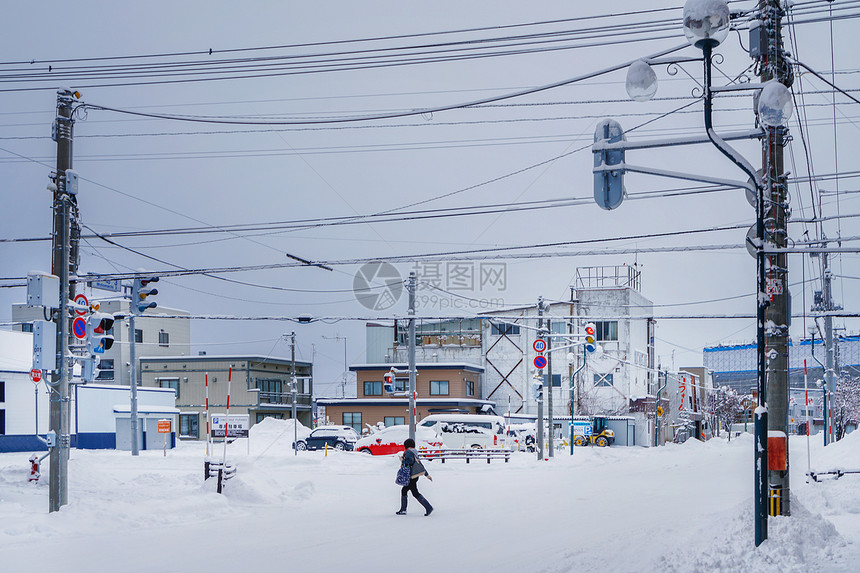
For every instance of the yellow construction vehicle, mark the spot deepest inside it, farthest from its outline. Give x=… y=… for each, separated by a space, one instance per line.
x=595 y=432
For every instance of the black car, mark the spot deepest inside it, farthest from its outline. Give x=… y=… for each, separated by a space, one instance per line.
x=337 y=437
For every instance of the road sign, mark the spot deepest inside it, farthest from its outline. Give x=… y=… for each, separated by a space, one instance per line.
x=540 y=361
x=79 y=327
x=164 y=426
x=660 y=411
x=539 y=345
x=81 y=300
x=35 y=375
x=111 y=285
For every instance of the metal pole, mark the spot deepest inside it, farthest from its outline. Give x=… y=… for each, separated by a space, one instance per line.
x=411 y=288
x=293 y=390
x=61 y=265
x=549 y=385
x=540 y=395
x=132 y=369
x=778 y=315
x=829 y=354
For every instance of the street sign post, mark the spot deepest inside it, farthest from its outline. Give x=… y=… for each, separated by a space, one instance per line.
x=36 y=375
x=81 y=300
x=79 y=327
x=540 y=361
x=164 y=428
x=539 y=345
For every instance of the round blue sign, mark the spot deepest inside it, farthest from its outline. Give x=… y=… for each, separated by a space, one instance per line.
x=79 y=327
x=540 y=361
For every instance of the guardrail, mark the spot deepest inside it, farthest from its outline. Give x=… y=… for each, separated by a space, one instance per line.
x=467 y=454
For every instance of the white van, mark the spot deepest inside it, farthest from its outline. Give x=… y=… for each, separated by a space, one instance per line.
x=467 y=430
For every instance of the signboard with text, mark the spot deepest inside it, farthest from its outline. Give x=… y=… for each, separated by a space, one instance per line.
x=238 y=425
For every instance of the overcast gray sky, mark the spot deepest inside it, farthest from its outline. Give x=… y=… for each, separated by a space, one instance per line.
x=145 y=174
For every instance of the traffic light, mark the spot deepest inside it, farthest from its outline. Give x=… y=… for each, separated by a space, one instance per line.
x=139 y=293
x=590 y=341
x=537 y=386
x=388 y=383
x=99 y=325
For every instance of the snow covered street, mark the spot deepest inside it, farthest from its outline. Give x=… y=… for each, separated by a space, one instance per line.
x=677 y=508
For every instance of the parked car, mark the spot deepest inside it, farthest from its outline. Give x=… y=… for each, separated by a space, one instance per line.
x=468 y=430
x=390 y=440
x=337 y=437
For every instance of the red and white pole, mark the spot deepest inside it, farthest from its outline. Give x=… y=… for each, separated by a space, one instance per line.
x=227 y=420
x=208 y=435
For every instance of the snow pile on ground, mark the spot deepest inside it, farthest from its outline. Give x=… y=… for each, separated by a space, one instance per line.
x=677 y=508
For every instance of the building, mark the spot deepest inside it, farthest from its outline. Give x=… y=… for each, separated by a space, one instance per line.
x=155 y=335
x=736 y=365
x=259 y=386
x=440 y=387
x=617 y=380
x=99 y=415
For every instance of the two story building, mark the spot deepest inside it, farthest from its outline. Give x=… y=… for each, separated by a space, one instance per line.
x=259 y=386
x=440 y=386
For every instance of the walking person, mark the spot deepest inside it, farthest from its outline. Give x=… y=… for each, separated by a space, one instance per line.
x=411 y=460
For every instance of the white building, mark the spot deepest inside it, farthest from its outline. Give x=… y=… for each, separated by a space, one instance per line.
x=99 y=415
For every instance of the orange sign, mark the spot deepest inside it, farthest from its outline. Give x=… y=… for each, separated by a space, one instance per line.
x=164 y=426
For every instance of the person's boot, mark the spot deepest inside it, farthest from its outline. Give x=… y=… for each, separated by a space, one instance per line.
x=423 y=501
x=403 y=501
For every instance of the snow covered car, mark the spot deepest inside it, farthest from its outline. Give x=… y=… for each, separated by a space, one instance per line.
x=390 y=440
x=337 y=437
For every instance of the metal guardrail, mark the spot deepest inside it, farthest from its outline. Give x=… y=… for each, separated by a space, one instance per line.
x=467 y=454
x=283 y=398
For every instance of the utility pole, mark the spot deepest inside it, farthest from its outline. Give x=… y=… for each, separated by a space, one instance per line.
x=773 y=65
x=549 y=385
x=132 y=382
x=410 y=286
x=293 y=389
x=62 y=265
x=540 y=395
x=830 y=353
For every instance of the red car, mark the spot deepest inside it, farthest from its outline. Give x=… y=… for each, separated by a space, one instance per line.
x=390 y=440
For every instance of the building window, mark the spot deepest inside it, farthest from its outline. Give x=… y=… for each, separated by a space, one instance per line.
x=559 y=327
x=556 y=380
x=27 y=327
x=270 y=390
x=373 y=388
x=169 y=383
x=603 y=379
x=499 y=329
x=189 y=425
x=2 y=422
x=352 y=419
x=438 y=387
x=2 y=391
x=138 y=335
x=394 y=420
x=106 y=371
x=470 y=388
x=606 y=330
x=163 y=338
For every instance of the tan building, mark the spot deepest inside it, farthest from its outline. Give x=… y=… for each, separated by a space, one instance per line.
x=441 y=387
x=260 y=387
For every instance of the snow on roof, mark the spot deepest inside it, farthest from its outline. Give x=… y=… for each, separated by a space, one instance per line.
x=126 y=409
x=205 y=357
x=418 y=365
